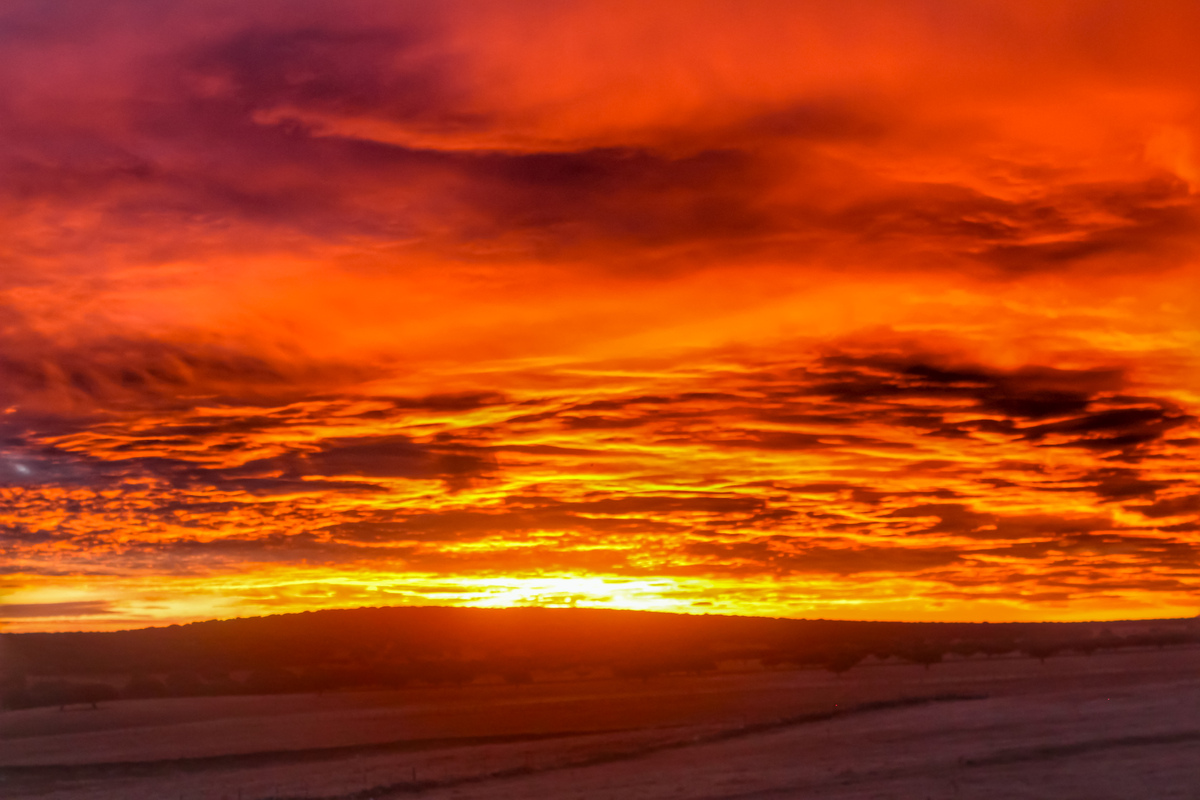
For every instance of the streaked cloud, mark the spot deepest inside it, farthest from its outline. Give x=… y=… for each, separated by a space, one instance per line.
x=848 y=310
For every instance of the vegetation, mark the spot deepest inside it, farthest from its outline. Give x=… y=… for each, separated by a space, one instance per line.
x=393 y=647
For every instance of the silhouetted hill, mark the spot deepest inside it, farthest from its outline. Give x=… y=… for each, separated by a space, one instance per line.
x=332 y=649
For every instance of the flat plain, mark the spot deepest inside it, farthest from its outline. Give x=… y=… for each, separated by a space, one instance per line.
x=1108 y=725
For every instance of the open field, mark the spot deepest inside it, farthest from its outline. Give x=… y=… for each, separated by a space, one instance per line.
x=1110 y=725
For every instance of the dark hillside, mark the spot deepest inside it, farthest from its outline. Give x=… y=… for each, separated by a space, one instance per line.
x=394 y=646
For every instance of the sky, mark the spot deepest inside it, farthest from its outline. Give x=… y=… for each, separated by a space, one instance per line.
x=841 y=309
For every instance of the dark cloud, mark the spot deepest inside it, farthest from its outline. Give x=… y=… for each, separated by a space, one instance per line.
x=1156 y=219
x=1027 y=393
x=472 y=525
x=623 y=196
x=199 y=556
x=1125 y=484
x=14 y=537
x=802 y=558
x=41 y=466
x=390 y=457
x=774 y=440
x=1098 y=416
x=1052 y=232
x=393 y=72
x=959 y=519
x=822 y=488
x=80 y=608
x=107 y=373
x=658 y=503
x=601 y=423
x=954 y=518
x=1113 y=429
x=1172 y=507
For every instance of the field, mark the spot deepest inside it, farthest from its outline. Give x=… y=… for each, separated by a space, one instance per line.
x=1110 y=725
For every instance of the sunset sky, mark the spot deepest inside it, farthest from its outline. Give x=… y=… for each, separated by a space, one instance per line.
x=858 y=310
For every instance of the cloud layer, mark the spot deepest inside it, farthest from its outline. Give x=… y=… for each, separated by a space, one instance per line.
x=847 y=310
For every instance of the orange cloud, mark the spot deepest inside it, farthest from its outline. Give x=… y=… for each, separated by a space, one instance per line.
x=849 y=310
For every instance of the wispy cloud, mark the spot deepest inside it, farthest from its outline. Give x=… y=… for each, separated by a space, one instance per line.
x=850 y=309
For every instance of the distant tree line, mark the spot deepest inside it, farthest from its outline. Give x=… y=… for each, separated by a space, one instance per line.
x=397 y=647
x=1035 y=644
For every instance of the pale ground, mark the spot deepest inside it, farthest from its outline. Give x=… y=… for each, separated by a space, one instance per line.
x=1107 y=726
